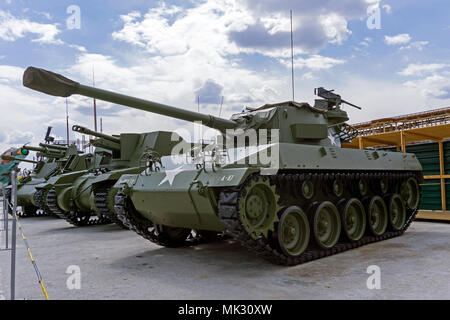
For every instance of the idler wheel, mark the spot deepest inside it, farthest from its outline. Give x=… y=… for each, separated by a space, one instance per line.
x=410 y=193
x=377 y=216
x=353 y=218
x=397 y=212
x=258 y=207
x=326 y=225
x=293 y=231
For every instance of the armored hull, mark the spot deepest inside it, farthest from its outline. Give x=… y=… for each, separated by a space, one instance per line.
x=174 y=194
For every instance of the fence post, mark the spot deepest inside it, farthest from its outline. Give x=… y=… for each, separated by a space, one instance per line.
x=5 y=216
x=13 y=240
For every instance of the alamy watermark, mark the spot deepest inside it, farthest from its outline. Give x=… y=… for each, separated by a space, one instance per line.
x=374 y=17
x=74 y=19
x=374 y=280
x=245 y=147
x=73 y=282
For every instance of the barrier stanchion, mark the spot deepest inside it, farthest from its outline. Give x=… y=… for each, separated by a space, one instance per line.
x=16 y=223
x=10 y=206
x=13 y=234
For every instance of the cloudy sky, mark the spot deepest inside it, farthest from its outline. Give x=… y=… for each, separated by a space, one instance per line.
x=390 y=57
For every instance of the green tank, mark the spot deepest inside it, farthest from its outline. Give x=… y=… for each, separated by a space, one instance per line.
x=290 y=195
x=84 y=197
x=52 y=160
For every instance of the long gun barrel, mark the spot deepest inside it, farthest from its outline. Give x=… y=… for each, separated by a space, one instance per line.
x=57 y=85
x=9 y=158
x=84 y=130
x=46 y=152
x=54 y=146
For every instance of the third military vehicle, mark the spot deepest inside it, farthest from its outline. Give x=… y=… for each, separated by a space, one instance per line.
x=85 y=197
x=52 y=160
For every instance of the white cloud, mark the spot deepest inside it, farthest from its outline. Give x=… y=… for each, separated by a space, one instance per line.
x=417 y=45
x=12 y=28
x=173 y=31
x=23 y=112
x=47 y=15
x=308 y=76
x=77 y=47
x=10 y=73
x=434 y=86
x=314 y=62
x=432 y=80
x=398 y=39
x=239 y=27
x=419 y=69
x=335 y=27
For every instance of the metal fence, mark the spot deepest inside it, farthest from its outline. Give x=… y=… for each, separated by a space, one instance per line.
x=8 y=226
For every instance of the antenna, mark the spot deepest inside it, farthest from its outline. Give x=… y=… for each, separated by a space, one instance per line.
x=95 y=101
x=67 y=122
x=198 y=103
x=101 y=125
x=221 y=104
x=292 y=58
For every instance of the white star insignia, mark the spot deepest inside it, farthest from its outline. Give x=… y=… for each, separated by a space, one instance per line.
x=170 y=175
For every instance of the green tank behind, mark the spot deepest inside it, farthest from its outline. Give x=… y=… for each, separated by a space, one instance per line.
x=85 y=197
x=312 y=199
x=52 y=160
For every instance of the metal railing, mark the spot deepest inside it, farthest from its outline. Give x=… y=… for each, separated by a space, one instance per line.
x=9 y=207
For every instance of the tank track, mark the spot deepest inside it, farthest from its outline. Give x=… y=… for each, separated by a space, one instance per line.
x=39 y=198
x=100 y=200
x=228 y=210
x=146 y=229
x=76 y=218
x=53 y=205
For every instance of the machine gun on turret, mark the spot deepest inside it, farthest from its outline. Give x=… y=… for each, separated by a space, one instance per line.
x=332 y=98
